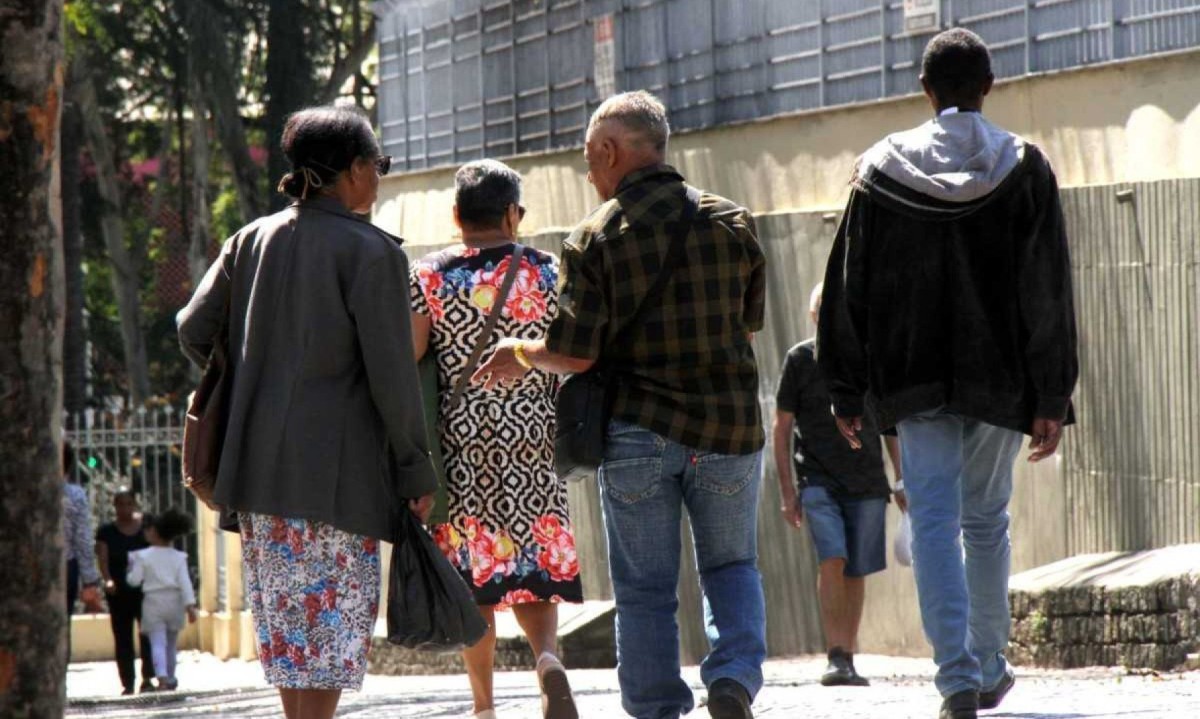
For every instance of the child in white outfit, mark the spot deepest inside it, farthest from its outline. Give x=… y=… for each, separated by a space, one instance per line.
x=167 y=594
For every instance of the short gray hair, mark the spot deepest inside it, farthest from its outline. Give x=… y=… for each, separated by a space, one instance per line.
x=483 y=190
x=640 y=113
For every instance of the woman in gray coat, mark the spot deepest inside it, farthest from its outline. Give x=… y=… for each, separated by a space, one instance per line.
x=325 y=441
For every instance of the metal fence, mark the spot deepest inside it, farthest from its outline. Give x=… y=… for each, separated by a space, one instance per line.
x=463 y=79
x=137 y=450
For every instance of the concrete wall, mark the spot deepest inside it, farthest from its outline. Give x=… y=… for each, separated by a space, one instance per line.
x=1130 y=121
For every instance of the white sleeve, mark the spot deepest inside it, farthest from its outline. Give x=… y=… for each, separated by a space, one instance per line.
x=136 y=573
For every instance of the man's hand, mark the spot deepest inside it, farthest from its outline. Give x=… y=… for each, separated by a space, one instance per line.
x=901 y=499
x=850 y=427
x=422 y=507
x=192 y=614
x=793 y=513
x=501 y=367
x=1046 y=435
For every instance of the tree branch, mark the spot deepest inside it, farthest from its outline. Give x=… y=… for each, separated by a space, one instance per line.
x=347 y=66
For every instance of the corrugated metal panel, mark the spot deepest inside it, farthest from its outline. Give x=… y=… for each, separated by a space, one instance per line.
x=1132 y=466
x=713 y=61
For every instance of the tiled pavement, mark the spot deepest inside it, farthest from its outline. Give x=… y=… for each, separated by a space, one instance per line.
x=901 y=689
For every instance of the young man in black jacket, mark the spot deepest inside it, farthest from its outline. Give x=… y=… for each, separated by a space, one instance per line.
x=947 y=306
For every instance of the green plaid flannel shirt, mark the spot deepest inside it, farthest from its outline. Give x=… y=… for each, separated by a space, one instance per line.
x=688 y=371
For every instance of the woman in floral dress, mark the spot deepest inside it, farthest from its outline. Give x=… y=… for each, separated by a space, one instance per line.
x=509 y=532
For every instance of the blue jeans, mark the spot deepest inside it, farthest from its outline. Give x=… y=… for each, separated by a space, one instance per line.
x=645 y=480
x=958 y=478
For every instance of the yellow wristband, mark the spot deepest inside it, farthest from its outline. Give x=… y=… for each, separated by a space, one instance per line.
x=519 y=353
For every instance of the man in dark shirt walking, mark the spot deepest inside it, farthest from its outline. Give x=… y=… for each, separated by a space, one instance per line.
x=686 y=430
x=948 y=305
x=843 y=495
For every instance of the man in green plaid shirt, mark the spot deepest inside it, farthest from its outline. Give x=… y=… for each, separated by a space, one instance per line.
x=686 y=429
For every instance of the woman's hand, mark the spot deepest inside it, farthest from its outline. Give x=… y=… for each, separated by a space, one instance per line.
x=422 y=507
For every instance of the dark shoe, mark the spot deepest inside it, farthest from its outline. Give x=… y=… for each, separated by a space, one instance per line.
x=169 y=684
x=962 y=705
x=147 y=686
x=992 y=697
x=856 y=679
x=127 y=691
x=728 y=700
x=557 y=702
x=840 y=671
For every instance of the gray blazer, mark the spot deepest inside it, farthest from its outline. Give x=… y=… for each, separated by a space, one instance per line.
x=324 y=379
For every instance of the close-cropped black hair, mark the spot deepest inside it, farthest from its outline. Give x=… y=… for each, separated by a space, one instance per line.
x=320 y=142
x=957 y=66
x=483 y=191
x=171 y=524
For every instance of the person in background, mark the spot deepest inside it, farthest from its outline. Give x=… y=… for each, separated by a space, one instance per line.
x=509 y=531
x=843 y=495
x=161 y=571
x=114 y=541
x=948 y=307
x=77 y=530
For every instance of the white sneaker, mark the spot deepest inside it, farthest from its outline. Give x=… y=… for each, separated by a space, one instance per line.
x=486 y=714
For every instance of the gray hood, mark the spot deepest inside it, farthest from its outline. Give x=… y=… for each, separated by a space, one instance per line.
x=958 y=157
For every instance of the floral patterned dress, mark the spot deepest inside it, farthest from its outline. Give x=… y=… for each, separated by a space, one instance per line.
x=509 y=533
x=314 y=593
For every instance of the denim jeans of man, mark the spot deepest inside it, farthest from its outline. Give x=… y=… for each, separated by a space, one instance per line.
x=958 y=478
x=645 y=481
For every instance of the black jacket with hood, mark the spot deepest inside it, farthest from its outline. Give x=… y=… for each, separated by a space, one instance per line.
x=949 y=282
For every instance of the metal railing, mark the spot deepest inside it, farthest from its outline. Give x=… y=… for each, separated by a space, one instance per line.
x=137 y=450
x=463 y=79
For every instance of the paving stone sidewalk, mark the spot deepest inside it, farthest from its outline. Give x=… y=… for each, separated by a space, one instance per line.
x=901 y=689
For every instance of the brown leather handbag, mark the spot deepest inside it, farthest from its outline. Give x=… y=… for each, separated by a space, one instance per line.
x=204 y=425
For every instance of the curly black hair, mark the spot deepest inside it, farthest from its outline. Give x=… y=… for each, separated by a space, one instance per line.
x=957 y=67
x=171 y=524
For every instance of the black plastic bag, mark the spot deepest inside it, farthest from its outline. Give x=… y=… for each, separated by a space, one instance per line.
x=430 y=607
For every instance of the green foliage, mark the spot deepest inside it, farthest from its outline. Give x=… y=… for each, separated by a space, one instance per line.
x=226 y=219
x=135 y=52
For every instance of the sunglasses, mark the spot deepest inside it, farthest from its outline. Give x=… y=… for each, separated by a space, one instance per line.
x=383 y=164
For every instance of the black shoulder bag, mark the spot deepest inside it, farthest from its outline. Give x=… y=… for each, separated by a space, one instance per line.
x=585 y=400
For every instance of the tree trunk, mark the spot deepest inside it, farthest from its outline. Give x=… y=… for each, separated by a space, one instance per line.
x=288 y=84
x=212 y=63
x=126 y=268
x=201 y=238
x=32 y=603
x=350 y=65
x=74 y=337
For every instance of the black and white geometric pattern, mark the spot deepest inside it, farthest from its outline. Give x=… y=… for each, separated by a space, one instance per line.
x=497 y=445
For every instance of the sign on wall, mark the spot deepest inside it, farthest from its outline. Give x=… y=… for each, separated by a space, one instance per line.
x=922 y=15
x=605 y=54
